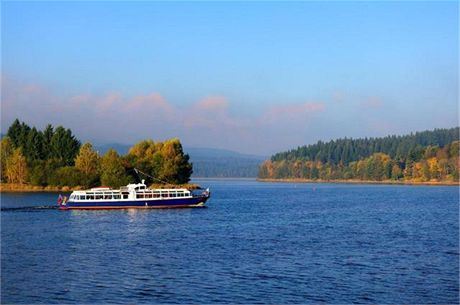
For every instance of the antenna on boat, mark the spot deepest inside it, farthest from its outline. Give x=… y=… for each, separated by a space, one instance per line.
x=139 y=171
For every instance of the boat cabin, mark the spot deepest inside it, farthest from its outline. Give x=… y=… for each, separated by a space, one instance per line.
x=129 y=192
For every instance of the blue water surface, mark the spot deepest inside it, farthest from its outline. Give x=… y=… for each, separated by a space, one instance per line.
x=255 y=243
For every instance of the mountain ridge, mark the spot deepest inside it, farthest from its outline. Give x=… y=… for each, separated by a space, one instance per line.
x=208 y=162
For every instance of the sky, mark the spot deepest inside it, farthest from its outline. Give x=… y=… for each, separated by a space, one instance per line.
x=253 y=77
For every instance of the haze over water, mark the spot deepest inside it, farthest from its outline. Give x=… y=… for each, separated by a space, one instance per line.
x=256 y=243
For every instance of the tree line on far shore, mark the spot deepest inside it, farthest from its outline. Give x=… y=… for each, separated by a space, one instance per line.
x=55 y=157
x=420 y=157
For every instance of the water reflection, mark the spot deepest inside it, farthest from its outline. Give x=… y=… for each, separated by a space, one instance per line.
x=257 y=242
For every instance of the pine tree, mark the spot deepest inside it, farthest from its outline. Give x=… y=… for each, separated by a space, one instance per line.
x=13 y=132
x=48 y=133
x=23 y=135
x=33 y=149
x=64 y=146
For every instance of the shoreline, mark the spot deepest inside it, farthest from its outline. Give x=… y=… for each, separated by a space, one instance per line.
x=339 y=181
x=27 y=188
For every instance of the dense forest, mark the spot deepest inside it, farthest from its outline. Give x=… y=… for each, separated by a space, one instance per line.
x=55 y=157
x=420 y=157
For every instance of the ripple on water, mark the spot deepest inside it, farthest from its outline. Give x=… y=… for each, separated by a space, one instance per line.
x=254 y=244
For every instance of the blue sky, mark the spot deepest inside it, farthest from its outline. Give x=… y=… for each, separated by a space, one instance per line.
x=255 y=77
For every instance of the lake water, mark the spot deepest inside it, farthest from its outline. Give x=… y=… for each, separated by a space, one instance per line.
x=256 y=243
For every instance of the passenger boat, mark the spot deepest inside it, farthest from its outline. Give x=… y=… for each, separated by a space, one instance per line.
x=133 y=196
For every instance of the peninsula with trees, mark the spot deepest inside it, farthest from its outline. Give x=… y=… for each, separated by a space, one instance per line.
x=54 y=159
x=428 y=157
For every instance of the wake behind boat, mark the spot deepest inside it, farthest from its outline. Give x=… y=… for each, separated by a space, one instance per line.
x=133 y=196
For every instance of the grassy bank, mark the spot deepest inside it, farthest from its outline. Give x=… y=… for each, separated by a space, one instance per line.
x=352 y=181
x=12 y=187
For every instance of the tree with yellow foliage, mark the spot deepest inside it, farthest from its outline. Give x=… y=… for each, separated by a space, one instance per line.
x=6 y=150
x=165 y=161
x=16 y=170
x=87 y=160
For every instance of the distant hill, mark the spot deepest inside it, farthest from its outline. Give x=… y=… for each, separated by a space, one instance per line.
x=211 y=162
x=122 y=149
x=208 y=162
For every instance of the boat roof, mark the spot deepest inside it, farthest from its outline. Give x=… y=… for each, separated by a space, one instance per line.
x=110 y=190
x=100 y=188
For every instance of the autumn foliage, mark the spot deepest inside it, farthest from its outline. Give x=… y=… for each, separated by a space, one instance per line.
x=54 y=157
x=421 y=157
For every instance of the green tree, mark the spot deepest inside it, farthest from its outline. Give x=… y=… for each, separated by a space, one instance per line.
x=14 y=132
x=23 y=135
x=143 y=157
x=47 y=136
x=314 y=172
x=69 y=176
x=176 y=167
x=38 y=173
x=64 y=146
x=112 y=171
x=165 y=161
x=33 y=149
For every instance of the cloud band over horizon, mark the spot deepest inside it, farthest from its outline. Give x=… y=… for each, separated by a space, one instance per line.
x=207 y=122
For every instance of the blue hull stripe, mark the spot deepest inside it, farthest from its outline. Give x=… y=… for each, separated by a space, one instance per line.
x=137 y=203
